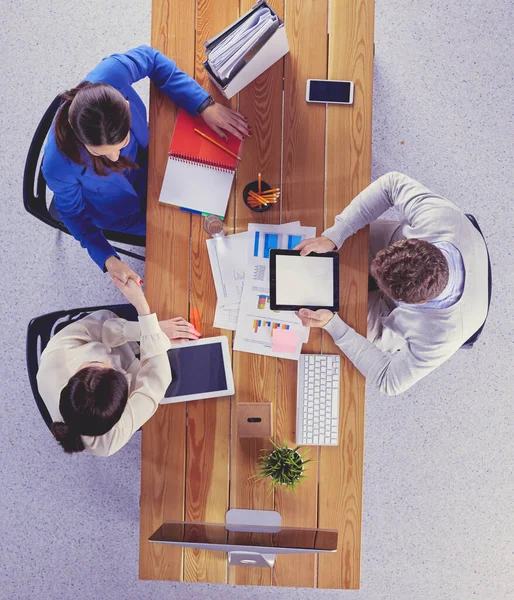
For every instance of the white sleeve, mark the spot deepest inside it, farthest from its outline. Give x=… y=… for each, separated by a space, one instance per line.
x=411 y=198
x=392 y=372
x=151 y=383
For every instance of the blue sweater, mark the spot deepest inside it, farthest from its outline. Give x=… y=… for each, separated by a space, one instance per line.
x=88 y=202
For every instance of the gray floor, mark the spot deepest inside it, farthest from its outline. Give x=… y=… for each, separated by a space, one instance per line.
x=439 y=460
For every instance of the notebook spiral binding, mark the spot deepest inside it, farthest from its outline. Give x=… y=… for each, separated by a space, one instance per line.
x=210 y=164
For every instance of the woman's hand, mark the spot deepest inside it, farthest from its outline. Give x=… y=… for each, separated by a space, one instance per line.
x=314 y=318
x=220 y=119
x=133 y=292
x=117 y=269
x=319 y=245
x=179 y=330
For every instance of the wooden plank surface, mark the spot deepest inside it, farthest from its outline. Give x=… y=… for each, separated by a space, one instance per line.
x=167 y=281
x=303 y=200
x=348 y=172
x=208 y=432
x=196 y=469
x=254 y=375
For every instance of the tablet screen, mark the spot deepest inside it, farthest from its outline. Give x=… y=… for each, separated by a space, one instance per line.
x=304 y=280
x=196 y=369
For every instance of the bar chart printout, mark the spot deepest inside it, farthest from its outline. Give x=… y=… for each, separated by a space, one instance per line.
x=256 y=321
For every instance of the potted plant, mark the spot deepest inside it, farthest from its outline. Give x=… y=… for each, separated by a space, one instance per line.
x=282 y=466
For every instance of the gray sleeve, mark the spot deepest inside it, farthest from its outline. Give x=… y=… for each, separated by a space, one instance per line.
x=392 y=373
x=410 y=197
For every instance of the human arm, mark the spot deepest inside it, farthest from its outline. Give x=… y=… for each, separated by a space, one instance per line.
x=392 y=372
x=151 y=382
x=412 y=199
x=71 y=207
x=120 y=70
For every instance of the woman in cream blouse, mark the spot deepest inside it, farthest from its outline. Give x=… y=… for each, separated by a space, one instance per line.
x=96 y=390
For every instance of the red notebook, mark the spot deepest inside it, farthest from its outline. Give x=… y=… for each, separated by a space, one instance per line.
x=188 y=144
x=199 y=175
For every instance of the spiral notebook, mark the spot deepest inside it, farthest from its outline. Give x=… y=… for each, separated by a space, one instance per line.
x=199 y=175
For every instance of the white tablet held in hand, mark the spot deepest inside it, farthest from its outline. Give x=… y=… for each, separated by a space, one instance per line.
x=200 y=369
x=310 y=281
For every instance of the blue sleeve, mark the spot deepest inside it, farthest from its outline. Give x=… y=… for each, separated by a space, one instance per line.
x=72 y=208
x=122 y=70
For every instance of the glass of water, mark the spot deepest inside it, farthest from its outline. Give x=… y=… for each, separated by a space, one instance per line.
x=213 y=225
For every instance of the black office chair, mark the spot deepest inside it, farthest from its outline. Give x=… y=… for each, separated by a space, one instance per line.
x=34 y=188
x=41 y=329
x=469 y=344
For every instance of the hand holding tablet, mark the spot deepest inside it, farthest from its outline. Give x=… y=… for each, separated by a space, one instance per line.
x=304 y=281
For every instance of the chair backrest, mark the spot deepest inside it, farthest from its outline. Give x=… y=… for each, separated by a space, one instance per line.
x=469 y=343
x=34 y=186
x=42 y=328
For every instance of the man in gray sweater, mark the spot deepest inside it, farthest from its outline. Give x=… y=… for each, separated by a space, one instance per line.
x=431 y=269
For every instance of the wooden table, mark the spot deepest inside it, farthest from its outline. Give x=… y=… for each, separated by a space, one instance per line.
x=193 y=465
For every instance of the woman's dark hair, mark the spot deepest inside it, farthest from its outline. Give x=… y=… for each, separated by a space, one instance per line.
x=91 y=404
x=95 y=114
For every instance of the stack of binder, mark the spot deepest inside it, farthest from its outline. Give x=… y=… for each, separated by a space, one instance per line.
x=245 y=49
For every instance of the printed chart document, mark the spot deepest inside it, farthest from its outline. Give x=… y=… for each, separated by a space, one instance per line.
x=256 y=321
x=226 y=317
x=228 y=257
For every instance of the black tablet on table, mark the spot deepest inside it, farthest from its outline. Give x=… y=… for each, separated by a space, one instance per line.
x=310 y=281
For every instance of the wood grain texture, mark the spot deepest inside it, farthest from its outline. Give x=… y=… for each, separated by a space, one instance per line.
x=194 y=471
x=208 y=438
x=167 y=281
x=348 y=172
x=303 y=200
x=255 y=376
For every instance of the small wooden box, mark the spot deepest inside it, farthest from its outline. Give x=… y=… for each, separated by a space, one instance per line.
x=254 y=420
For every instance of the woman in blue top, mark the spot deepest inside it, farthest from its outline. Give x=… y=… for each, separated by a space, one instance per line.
x=95 y=157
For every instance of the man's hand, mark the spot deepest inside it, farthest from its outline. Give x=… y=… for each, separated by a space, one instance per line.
x=220 y=119
x=117 y=269
x=318 y=245
x=179 y=330
x=314 y=318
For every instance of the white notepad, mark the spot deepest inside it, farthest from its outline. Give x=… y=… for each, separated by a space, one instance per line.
x=196 y=187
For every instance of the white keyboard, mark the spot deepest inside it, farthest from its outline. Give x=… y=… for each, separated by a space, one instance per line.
x=317 y=403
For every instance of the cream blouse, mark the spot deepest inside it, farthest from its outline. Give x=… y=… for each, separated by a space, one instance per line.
x=101 y=334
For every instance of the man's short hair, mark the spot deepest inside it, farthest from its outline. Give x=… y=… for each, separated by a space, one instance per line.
x=411 y=271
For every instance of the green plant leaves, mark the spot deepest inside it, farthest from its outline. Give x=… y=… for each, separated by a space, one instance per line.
x=283 y=466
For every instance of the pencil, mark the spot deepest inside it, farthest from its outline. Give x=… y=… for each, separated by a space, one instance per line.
x=259 y=181
x=256 y=196
x=263 y=198
x=273 y=190
x=259 y=201
x=217 y=144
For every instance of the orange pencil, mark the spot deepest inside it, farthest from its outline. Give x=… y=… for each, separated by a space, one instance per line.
x=259 y=181
x=217 y=144
x=256 y=196
x=271 y=191
x=261 y=202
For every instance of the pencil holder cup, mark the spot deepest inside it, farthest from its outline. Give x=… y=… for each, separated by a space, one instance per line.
x=254 y=187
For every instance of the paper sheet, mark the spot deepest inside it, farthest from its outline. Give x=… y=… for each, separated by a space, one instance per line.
x=226 y=317
x=256 y=320
x=228 y=258
x=224 y=57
